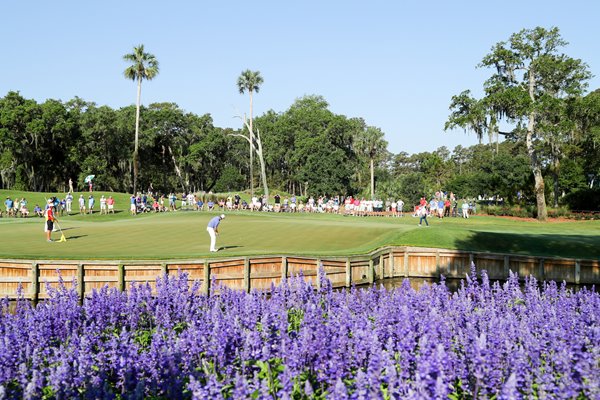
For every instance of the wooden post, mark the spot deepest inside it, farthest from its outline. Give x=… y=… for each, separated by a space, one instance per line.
x=348 y=273
x=381 y=268
x=319 y=273
x=163 y=269
x=506 y=267
x=122 y=277
x=391 y=263
x=577 y=271
x=80 y=282
x=247 y=274
x=438 y=271
x=370 y=272
x=406 y=263
x=542 y=272
x=471 y=259
x=206 y=277
x=35 y=282
x=284 y=268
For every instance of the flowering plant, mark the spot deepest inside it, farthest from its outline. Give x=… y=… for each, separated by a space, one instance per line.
x=483 y=341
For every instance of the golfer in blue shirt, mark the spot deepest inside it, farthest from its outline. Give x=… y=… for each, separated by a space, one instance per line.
x=213 y=231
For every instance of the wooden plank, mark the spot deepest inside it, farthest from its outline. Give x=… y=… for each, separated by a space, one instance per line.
x=206 y=285
x=121 y=277
x=91 y=279
x=348 y=273
x=80 y=281
x=247 y=286
x=284 y=268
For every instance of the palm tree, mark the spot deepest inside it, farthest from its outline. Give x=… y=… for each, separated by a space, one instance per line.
x=250 y=81
x=143 y=66
x=370 y=143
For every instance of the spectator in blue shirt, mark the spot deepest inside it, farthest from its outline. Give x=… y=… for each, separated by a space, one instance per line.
x=9 y=206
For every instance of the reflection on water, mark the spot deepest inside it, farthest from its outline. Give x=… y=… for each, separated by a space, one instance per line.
x=417 y=283
x=452 y=284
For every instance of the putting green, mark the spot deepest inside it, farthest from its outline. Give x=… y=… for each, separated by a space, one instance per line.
x=183 y=234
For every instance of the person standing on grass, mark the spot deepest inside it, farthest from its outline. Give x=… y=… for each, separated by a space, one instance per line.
x=213 y=231
x=81 y=205
x=49 y=221
x=465 y=209
x=423 y=216
x=103 y=205
x=110 y=202
x=132 y=205
x=91 y=202
x=69 y=202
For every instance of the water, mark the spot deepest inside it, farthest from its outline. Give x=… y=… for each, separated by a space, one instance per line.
x=452 y=284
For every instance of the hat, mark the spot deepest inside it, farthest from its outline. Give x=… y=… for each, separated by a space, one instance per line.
x=222 y=216
x=50 y=201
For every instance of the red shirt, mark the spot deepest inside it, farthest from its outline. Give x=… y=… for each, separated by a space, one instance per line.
x=49 y=214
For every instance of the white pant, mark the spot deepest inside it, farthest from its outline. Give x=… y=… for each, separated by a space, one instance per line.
x=213 y=238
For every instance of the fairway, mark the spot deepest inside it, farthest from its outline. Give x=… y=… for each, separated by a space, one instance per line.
x=182 y=234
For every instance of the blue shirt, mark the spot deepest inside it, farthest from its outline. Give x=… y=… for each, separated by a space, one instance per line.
x=214 y=223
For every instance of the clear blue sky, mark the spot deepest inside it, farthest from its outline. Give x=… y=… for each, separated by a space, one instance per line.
x=394 y=63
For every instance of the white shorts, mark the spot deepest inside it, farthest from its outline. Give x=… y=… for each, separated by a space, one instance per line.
x=111 y=206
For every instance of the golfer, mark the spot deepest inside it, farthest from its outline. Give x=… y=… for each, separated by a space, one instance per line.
x=49 y=223
x=213 y=231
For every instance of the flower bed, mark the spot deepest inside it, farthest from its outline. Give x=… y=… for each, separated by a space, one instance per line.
x=479 y=342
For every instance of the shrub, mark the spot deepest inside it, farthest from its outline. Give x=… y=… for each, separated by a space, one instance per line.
x=485 y=341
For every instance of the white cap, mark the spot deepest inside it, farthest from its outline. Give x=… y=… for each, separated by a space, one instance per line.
x=222 y=216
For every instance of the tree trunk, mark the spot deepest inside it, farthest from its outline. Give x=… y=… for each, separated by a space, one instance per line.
x=251 y=150
x=177 y=170
x=540 y=196
x=263 y=171
x=137 y=129
x=555 y=173
x=372 y=180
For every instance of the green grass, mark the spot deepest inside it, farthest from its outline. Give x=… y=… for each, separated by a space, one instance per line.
x=183 y=235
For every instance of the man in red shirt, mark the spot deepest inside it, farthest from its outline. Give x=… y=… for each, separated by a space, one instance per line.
x=111 y=204
x=49 y=214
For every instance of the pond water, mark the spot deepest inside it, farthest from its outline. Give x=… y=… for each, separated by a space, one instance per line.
x=452 y=284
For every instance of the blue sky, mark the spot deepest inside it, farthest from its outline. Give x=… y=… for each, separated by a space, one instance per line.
x=396 y=64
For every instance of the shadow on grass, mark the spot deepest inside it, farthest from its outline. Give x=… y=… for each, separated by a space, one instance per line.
x=567 y=246
x=229 y=247
x=75 y=237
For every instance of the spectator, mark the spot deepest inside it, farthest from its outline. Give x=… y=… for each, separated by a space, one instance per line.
x=132 y=205
x=103 y=209
x=465 y=209
x=9 y=206
x=69 y=199
x=81 y=205
x=422 y=213
x=110 y=202
x=91 y=202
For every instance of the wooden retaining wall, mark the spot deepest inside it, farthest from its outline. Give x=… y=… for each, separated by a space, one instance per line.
x=259 y=273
